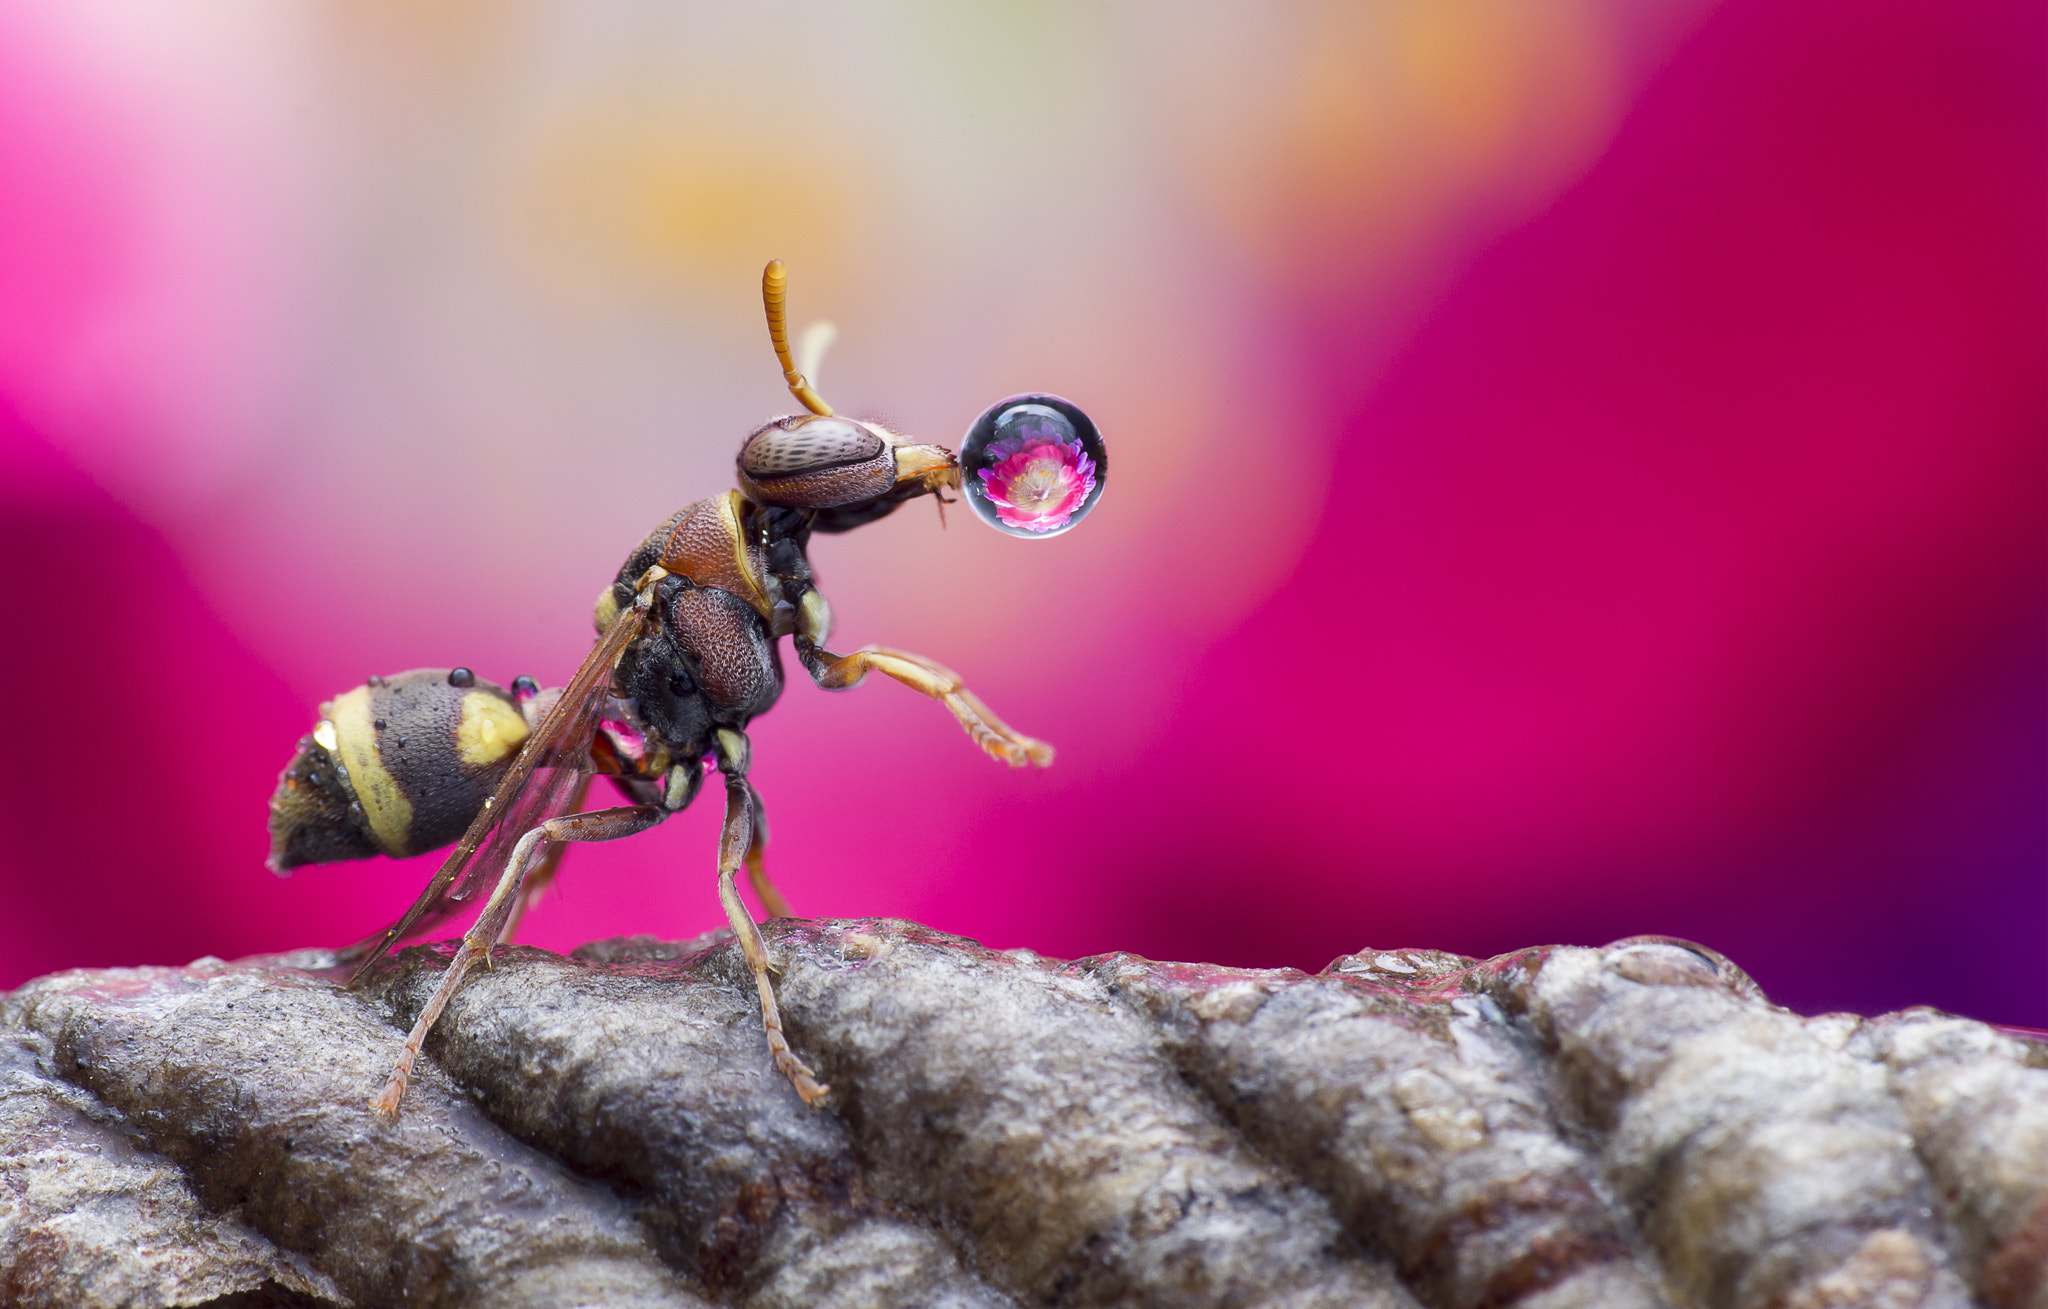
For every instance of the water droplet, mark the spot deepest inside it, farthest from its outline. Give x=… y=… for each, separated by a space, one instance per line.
x=1032 y=465
x=461 y=677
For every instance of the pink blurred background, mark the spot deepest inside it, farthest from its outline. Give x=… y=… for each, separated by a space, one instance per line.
x=1579 y=469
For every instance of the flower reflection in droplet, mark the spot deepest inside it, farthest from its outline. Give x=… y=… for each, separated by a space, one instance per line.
x=1040 y=483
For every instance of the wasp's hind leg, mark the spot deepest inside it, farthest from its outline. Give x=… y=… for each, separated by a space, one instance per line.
x=538 y=880
x=836 y=672
x=757 y=872
x=598 y=825
x=734 y=846
x=542 y=874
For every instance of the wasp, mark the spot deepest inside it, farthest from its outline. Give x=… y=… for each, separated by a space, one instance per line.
x=688 y=653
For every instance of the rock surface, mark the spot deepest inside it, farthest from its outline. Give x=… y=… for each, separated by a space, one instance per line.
x=1633 y=1126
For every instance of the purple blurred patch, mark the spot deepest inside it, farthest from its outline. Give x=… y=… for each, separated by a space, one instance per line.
x=142 y=742
x=1689 y=573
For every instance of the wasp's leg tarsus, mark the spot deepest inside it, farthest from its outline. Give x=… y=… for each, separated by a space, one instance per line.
x=598 y=825
x=836 y=672
x=734 y=845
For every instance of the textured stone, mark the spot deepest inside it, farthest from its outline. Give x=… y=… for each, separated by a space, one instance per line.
x=250 y=1077
x=1418 y=1108
x=645 y=1070
x=1979 y=1118
x=88 y=1217
x=1562 y=1127
x=1765 y=1164
x=1036 y=1120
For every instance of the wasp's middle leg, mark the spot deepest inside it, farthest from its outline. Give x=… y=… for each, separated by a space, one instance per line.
x=836 y=672
x=733 y=846
x=598 y=825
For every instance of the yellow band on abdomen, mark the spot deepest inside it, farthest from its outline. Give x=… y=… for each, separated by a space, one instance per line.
x=490 y=730
x=389 y=812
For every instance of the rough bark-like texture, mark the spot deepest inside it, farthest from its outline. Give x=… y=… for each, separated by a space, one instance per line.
x=1628 y=1127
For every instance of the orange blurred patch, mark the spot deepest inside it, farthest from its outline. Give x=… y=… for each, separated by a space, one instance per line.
x=621 y=194
x=1378 y=127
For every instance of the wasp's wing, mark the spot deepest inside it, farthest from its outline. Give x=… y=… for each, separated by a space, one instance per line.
x=542 y=778
x=549 y=793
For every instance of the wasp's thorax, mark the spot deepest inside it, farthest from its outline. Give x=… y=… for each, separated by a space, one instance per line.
x=738 y=577
x=734 y=578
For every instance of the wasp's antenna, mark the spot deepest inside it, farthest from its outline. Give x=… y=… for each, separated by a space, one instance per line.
x=811 y=345
x=772 y=287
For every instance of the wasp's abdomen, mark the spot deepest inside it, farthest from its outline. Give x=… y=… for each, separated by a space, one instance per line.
x=396 y=766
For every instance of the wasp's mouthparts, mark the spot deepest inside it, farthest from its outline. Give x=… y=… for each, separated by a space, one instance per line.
x=934 y=465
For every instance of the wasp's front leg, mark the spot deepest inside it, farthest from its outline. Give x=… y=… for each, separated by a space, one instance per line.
x=836 y=672
x=734 y=845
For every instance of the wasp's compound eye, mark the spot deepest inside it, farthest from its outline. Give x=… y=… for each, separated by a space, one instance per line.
x=815 y=463
x=1032 y=465
x=805 y=445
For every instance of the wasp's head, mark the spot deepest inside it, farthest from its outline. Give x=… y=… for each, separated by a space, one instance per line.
x=840 y=466
x=1032 y=465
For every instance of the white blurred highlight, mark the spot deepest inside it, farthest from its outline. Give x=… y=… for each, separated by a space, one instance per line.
x=432 y=310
